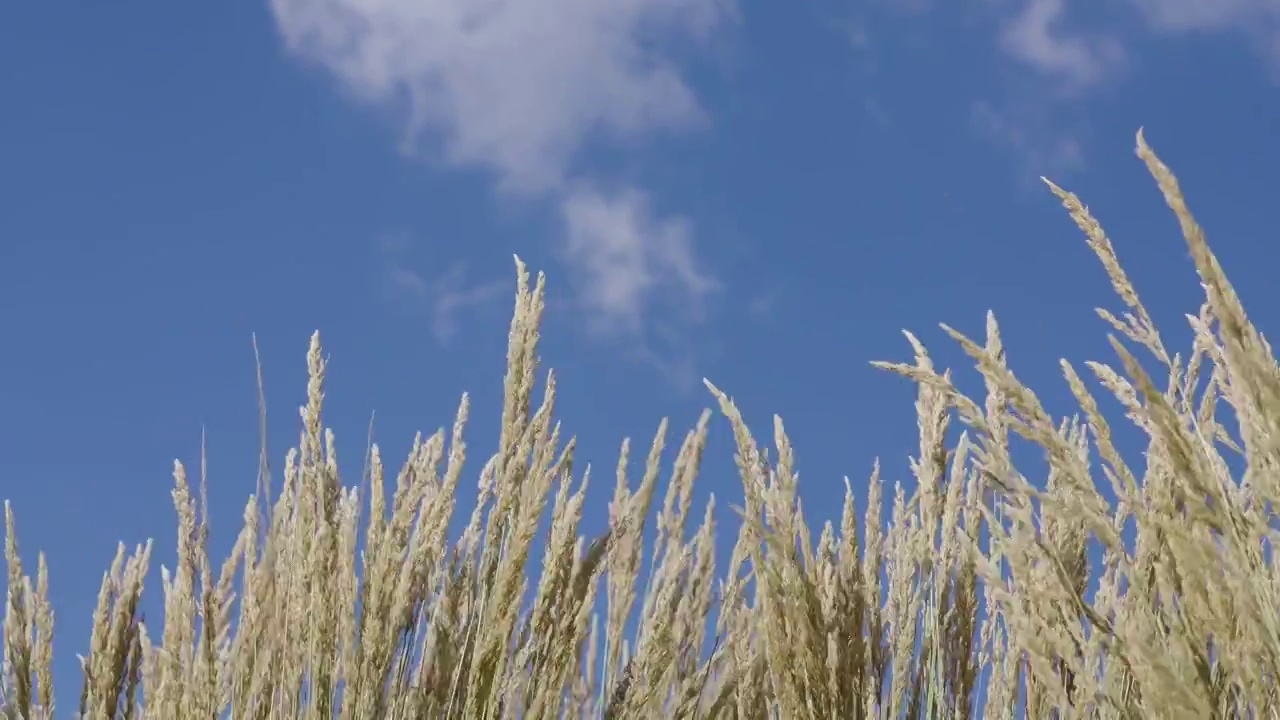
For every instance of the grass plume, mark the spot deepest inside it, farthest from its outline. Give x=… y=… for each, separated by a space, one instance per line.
x=978 y=596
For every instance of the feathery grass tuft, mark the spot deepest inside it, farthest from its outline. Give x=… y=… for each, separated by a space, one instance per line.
x=979 y=597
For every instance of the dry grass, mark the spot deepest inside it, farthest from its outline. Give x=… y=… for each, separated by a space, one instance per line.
x=977 y=597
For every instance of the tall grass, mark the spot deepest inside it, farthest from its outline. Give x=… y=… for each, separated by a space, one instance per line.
x=977 y=597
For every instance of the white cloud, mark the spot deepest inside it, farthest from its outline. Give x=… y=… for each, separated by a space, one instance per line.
x=1056 y=55
x=513 y=85
x=519 y=88
x=1036 y=36
x=627 y=257
x=1211 y=15
x=1068 y=60
x=1258 y=21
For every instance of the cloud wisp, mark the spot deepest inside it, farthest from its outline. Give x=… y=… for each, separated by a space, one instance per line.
x=1035 y=35
x=1052 y=57
x=442 y=298
x=521 y=89
x=627 y=254
x=1183 y=16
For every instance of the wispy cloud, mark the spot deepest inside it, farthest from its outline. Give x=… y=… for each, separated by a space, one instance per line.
x=1056 y=56
x=1203 y=16
x=1069 y=60
x=444 y=298
x=1038 y=147
x=521 y=89
x=1038 y=36
x=625 y=254
x=1061 y=62
x=1041 y=35
x=1258 y=21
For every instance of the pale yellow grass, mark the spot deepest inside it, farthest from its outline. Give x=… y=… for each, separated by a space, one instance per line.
x=979 y=577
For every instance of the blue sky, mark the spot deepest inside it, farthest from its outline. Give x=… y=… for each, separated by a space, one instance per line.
x=759 y=193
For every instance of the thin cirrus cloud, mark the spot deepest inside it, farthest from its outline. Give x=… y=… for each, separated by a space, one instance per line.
x=445 y=297
x=1257 y=17
x=519 y=88
x=1068 y=58
x=629 y=255
x=1040 y=33
x=1035 y=36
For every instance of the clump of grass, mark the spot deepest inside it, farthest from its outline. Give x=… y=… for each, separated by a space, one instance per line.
x=976 y=597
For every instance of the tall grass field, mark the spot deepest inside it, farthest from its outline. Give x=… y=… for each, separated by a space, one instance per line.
x=1102 y=589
